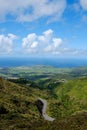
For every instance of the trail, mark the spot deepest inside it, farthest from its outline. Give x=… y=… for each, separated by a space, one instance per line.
x=45 y=116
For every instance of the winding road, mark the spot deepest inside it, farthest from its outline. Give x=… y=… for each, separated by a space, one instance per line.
x=45 y=116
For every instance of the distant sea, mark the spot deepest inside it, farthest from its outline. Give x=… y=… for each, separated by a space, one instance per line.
x=56 y=62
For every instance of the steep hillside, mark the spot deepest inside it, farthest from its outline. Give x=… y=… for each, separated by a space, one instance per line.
x=71 y=97
x=18 y=108
x=75 y=88
x=17 y=102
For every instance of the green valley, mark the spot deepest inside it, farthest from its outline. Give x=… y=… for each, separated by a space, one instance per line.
x=64 y=89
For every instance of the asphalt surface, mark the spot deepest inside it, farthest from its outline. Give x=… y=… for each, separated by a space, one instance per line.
x=45 y=116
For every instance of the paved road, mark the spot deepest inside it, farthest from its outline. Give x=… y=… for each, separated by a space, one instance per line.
x=45 y=116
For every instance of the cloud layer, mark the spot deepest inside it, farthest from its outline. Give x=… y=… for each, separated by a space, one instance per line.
x=83 y=4
x=47 y=44
x=33 y=44
x=29 y=10
x=7 y=43
x=44 y=43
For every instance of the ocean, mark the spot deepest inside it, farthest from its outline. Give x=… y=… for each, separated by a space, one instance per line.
x=55 y=62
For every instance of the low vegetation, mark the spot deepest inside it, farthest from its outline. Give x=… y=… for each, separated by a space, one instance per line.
x=66 y=98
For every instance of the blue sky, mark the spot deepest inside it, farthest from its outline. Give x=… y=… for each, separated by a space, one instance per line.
x=55 y=28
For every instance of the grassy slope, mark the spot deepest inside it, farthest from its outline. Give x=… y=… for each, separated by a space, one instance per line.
x=75 y=88
x=20 y=112
x=17 y=103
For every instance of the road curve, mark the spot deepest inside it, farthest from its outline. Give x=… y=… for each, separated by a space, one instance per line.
x=45 y=116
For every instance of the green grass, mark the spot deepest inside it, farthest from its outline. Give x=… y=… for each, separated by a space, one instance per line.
x=67 y=101
x=75 y=88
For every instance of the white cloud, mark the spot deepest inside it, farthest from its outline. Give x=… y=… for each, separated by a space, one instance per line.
x=57 y=42
x=34 y=44
x=46 y=36
x=6 y=43
x=38 y=44
x=83 y=4
x=48 y=33
x=44 y=43
x=27 y=41
x=29 y=10
x=47 y=44
x=12 y=36
x=54 y=46
x=48 y=48
x=30 y=43
x=72 y=52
